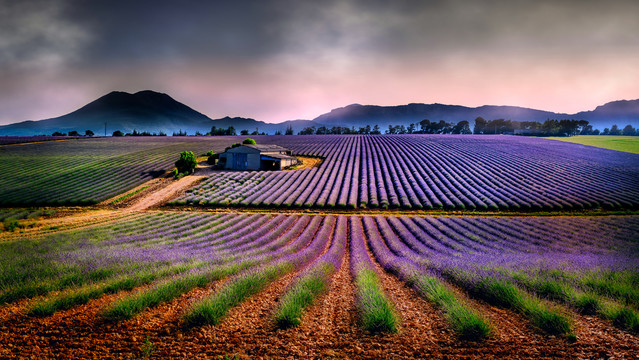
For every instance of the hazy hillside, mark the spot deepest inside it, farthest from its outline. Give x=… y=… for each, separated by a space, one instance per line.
x=618 y=112
x=143 y=111
x=622 y=112
x=361 y=115
x=240 y=123
x=154 y=112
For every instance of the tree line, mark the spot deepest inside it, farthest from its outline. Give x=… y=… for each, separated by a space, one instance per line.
x=73 y=133
x=550 y=127
x=423 y=127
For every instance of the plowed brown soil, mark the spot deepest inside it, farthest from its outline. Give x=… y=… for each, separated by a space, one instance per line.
x=330 y=329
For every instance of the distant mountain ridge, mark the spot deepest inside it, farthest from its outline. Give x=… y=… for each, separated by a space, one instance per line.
x=157 y=112
x=361 y=115
x=621 y=112
x=240 y=123
x=143 y=111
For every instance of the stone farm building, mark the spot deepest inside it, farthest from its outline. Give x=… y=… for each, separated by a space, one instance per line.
x=257 y=157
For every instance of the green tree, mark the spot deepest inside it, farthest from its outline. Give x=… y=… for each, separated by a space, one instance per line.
x=480 y=125
x=186 y=163
x=628 y=130
x=462 y=127
x=289 y=130
x=307 y=131
x=249 y=141
x=88 y=133
x=614 y=130
x=118 y=133
x=322 y=130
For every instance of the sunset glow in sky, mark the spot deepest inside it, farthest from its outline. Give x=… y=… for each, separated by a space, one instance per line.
x=277 y=60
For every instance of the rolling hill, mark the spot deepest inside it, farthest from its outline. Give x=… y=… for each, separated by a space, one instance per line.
x=143 y=111
x=156 y=112
x=622 y=113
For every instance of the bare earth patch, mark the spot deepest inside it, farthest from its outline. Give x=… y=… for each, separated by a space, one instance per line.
x=169 y=189
x=308 y=162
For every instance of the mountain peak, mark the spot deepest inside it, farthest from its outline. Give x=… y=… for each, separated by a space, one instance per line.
x=145 y=110
x=620 y=105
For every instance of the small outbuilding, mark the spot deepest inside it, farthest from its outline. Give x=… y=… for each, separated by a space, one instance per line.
x=257 y=157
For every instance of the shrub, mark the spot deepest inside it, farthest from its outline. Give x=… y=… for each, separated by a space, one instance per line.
x=249 y=141
x=232 y=146
x=186 y=163
x=11 y=224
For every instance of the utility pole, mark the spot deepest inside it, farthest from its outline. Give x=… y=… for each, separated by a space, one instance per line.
x=105 y=129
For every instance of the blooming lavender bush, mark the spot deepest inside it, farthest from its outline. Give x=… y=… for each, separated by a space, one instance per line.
x=462 y=172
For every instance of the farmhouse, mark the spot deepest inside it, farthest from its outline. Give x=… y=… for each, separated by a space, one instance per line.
x=257 y=157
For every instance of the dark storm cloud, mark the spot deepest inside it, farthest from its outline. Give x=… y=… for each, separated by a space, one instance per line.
x=131 y=31
x=148 y=30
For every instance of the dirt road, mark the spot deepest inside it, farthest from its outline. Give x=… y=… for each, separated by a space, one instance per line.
x=174 y=188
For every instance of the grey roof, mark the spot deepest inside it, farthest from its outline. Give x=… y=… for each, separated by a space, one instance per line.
x=266 y=148
x=278 y=156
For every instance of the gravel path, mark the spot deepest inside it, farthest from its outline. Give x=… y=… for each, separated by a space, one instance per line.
x=172 y=190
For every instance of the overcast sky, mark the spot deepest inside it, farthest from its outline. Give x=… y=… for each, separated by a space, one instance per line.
x=277 y=60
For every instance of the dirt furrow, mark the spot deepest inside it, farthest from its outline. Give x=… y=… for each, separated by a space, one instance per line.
x=514 y=335
x=247 y=331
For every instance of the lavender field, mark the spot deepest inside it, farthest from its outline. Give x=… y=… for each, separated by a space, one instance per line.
x=559 y=259
x=386 y=171
x=110 y=281
x=86 y=171
x=434 y=172
x=7 y=140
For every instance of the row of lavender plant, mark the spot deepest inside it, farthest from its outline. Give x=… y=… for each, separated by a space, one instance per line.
x=84 y=171
x=520 y=259
x=128 y=255
x=8 y=140
x=141 y=240
x=568 y=265
x=212 y=309
x=376 y=311
x=434 y=172
x=467 y=322
x=272 y=245
x=313 y=281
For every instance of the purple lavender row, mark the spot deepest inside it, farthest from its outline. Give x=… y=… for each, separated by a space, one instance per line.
x=376 y=311
x=313 y=280
x=451 y=172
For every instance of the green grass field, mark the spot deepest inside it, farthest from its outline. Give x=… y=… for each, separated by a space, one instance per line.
x=620 y=143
